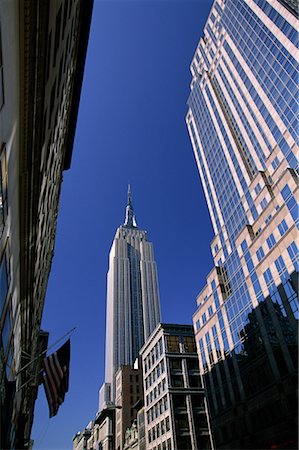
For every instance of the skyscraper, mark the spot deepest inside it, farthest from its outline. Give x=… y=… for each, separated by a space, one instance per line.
x=243 y=125
x=133 y=304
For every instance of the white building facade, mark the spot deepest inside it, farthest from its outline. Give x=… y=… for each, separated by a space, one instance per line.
x=133 y=304
x=175 y=410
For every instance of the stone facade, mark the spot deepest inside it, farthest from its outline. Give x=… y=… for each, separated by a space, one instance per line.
x=175 y=410
x=42 y=55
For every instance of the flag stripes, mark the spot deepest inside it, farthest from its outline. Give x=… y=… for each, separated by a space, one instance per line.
x=55 y=377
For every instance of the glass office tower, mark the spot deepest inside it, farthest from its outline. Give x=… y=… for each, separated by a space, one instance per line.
x=243 y=124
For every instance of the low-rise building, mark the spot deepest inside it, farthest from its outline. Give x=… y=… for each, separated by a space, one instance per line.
x=175 y=408
x=129 y=392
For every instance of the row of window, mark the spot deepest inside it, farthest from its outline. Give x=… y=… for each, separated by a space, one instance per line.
x=159 y=430
x=271 y=241
x=156 y=392
x=159 y=408
x=165 y=445
x=155 y=374
x=153 y=356
x=206 y=315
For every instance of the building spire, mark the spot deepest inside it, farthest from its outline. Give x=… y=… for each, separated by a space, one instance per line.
x=130 y=221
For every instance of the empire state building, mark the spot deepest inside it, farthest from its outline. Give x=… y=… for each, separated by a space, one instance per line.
x=133 y=304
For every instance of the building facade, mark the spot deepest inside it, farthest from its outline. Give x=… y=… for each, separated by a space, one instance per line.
x=42 y=54
x=99 y=433
x=175 y=410
x=129 y=392
x=133 y=304
x=243 y=125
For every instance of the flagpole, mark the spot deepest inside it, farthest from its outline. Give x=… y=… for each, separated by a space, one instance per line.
x=45 y=351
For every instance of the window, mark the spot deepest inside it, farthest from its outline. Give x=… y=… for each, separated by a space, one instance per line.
x=260 y=253
x=268 y=219
x=1 y=74
x=210 y=310
x=280 y=266
x=293 y=252
x=167 y=424
x=257 y=188
x=204 y=318
x=282 y=227
x=3 y=189
x=189 y=344
x=268 y=278
x=173 y=343
x=197 y=325
x=271 y=241
x=3 y=283
x=290 y=201
x=263 y=203
x=275 y=163
x=244 y=246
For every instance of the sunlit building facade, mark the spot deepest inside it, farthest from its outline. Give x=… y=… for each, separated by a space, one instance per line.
x=175 y=412
x=243 y=124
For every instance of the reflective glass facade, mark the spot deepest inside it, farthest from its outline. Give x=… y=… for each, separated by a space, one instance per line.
x=243 y=124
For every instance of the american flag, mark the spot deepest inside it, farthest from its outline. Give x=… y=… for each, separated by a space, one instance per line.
x=56 y=377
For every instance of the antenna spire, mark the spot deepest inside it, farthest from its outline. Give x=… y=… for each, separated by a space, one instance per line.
x=130 y=221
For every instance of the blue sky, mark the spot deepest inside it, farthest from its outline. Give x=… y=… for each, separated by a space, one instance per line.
x=131 y=128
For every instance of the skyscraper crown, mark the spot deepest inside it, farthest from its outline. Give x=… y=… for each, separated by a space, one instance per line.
x=130 y=221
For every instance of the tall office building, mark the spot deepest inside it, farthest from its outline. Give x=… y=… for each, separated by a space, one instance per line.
x=243 y=125
x=42 y=55
x=133 y=305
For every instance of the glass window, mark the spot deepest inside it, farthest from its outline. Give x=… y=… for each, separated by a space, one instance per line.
x=290 y=201
x=210 y=310
x=293 y=252
x=280 y=266
x=3 y=283
x=189 y=344
x=167 y=424
x=275 y=163
x=268 y=219
x=197 y=325
x=271 y=241
x=263 y=203
x=173 y=343
x=282 y=227
x=260 y=253
x=257 y=188
x=244 y=246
